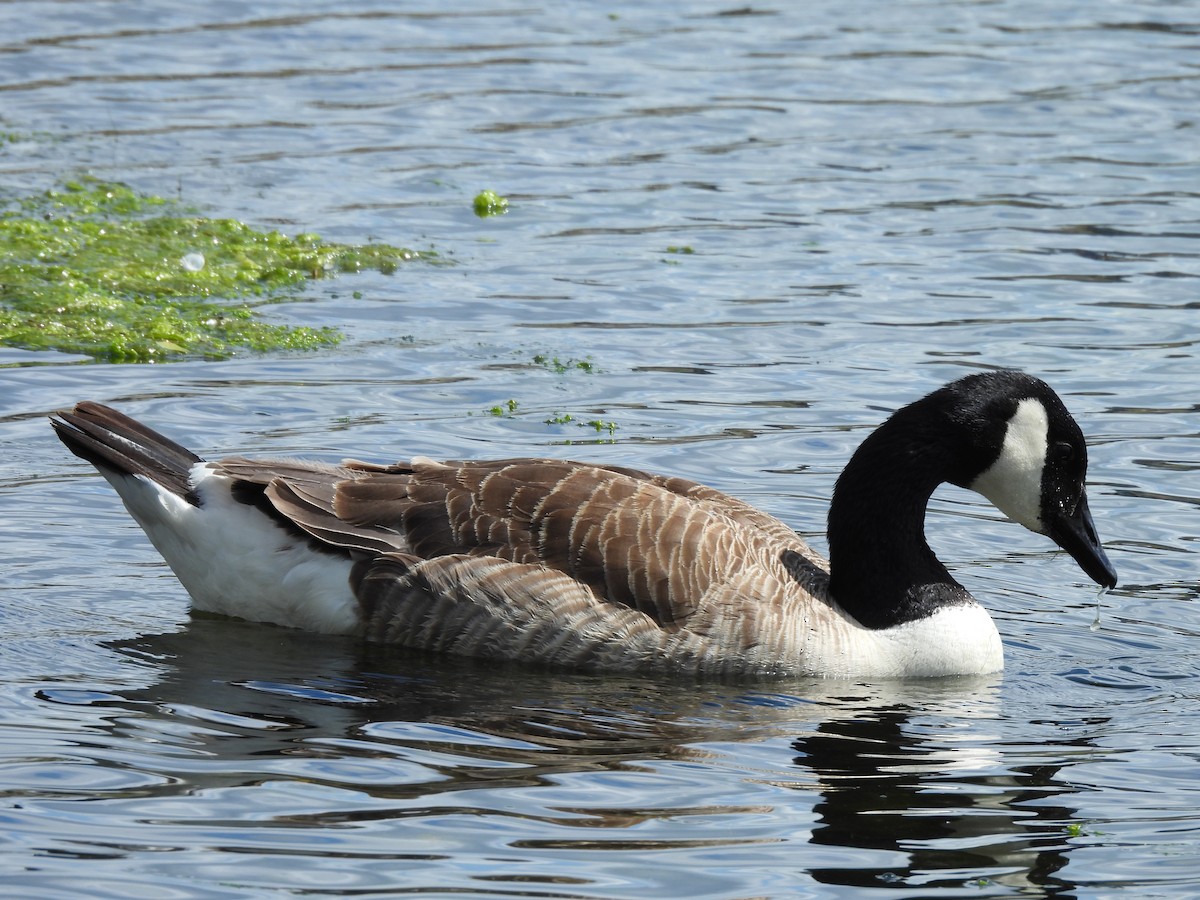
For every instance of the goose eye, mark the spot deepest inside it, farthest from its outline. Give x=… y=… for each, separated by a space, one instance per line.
x=1063 y=451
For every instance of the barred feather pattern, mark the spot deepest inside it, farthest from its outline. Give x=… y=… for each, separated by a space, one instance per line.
x=488 y=607
x=560 y=562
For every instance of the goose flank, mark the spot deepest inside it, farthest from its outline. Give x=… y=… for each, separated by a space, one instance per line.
x=610 y=568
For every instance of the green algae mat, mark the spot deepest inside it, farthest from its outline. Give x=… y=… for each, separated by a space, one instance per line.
x=95 y=268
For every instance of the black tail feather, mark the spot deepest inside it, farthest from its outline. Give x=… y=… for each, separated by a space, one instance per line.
x=112 y=441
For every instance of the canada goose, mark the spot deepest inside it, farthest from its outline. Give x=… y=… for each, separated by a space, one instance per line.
x=610 y=568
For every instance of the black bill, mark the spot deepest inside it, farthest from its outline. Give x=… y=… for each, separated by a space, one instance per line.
x=1076 y=533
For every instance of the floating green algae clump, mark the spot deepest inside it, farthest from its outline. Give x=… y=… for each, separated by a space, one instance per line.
x=98 y=269
x=489 y=203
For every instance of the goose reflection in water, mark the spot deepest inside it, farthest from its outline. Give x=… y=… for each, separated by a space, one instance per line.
x=353 y=754
x=935 y=808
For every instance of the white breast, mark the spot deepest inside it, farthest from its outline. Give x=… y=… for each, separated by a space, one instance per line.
x=955 y=640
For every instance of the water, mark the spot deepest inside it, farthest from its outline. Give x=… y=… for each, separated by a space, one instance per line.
x=878 y=197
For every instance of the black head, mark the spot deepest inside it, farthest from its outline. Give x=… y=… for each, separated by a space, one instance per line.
x=1023 y=451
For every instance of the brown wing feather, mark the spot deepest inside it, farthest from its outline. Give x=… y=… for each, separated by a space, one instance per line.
x=264 y=471
x=299 y=494
x=312 y=511
x=488 y=607
x=666 y=548
x=650 y=544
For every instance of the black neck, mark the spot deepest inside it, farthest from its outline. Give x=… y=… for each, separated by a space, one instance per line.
x=882 y=570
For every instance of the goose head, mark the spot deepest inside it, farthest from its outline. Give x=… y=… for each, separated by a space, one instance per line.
x=1030 y=460
x=1005 y=435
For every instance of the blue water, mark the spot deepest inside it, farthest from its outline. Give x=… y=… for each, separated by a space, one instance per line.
x=877 y=198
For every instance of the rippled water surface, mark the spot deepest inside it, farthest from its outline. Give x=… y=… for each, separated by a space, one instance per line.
x=763 y=228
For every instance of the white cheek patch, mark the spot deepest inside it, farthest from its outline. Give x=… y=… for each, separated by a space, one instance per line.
x=1014 y=481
